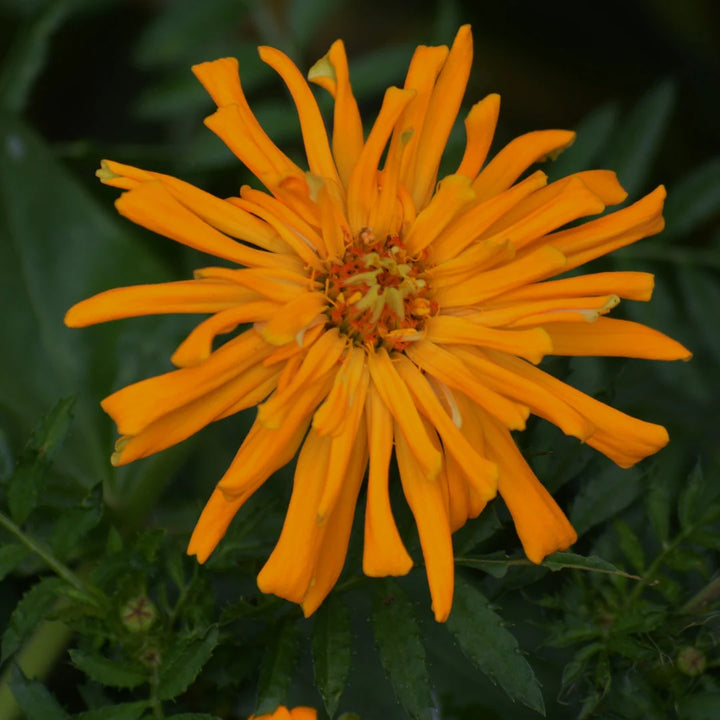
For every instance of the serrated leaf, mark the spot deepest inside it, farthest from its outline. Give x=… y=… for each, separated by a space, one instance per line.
x=182 y=664
x=688 y=501
x=639 y=140
x=398 y=640
x=10 y=557
x=113 y=673
x=495 y=564
x=34 y=699
x=124 y=711
x=630 y=545
x=278 y=667
x=694 y=200
x=331 y=643
x=25 y=489
x=34 y=605
x=603 y=497
x=563 y=560
x=491 y=647
x=73 y=524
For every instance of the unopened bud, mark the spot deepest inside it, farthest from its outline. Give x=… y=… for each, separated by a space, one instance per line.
x=138 y=614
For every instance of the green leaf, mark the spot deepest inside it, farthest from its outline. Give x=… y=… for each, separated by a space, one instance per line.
x=182 y=664
x=278 y=667
x=72 y=526
x=397 y=636
x=193 y=716
x=699 y=706
x=28 y=54
x=630 y=545
x=688 y=503
x=563 y=560
x=34 y=605
x=113 y=673
x=41 y=276
x=604 y=496
x=10 y=557
x=331 y=643
x=658 y=502
x=124 y=711
x=495 y=564
x=693 y=201
x=492 y=648
x=639 y=140
x=27 y=482
x=34 y=699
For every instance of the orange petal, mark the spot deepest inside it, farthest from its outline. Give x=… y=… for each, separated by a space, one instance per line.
x=384 y=552
x=483 y=472
x=289 y=569
x=425 y=498
x=335 y=540
x=532 y=344
x=246 y=390
x=440 y=118
x=624 y=439
x=610 y=232
x=618 y=338
x=197 y=346
x=152 y=206
x=320 y=362
x=397 y=398
x=540 y=524
x=183 y=296
x=136 y=406
x=626 y=285
x=516 y=157
x=221 y=79
x=538 y=399
x=480 y=126
x=466 y=228
x=332 y=73
x=546 y=210
x=221 y=214
x=266 y=450
x=453 y=194
x=449 y=369
x=537 y=264
x=317 y=147
x=294 y=317
x=362 y=187
x=212 y=525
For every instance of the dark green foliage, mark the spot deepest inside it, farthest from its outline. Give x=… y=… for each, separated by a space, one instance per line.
x=400 y=645
x=98 y=596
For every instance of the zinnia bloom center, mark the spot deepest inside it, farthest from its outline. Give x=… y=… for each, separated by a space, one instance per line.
x=379 y=295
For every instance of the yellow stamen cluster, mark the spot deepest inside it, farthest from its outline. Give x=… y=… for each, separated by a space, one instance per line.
x=379 y=295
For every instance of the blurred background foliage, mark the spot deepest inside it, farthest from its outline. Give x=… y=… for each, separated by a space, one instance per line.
x=102 y=615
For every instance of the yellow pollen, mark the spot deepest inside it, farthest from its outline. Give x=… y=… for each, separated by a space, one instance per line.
x=378 y=297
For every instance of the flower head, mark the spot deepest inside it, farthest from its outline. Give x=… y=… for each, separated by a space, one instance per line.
x=282 y=713
x=386 y=310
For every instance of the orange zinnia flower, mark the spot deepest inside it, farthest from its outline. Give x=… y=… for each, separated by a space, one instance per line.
x=386 y=308
x=282 y=713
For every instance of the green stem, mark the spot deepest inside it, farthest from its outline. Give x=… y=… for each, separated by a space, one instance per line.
x=648 y=577
x=61 y=570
